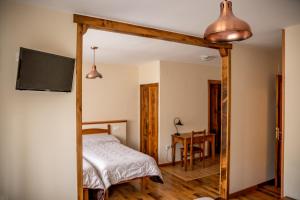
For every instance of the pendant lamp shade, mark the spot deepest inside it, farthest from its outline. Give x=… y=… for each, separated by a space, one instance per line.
x=227 y=27
x=94 y=73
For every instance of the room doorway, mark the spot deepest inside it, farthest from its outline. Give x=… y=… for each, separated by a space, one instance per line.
x=214 y=111
x=149 y=119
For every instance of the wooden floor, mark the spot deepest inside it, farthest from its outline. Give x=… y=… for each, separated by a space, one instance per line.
x=210 y=167
x=175 y=188
x=266 y=192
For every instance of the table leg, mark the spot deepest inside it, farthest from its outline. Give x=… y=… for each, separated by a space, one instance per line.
x=191 y=157
x=213 y=147
x=173 y=152
x=185 y=154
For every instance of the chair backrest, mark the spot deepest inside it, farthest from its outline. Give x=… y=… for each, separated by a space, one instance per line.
x=196 y=137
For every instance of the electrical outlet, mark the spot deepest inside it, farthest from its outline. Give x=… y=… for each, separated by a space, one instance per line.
x=167 y=147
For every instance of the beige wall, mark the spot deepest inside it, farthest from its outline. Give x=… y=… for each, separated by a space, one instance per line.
x=37 y=129
x=184 y=94
x=292 y=110
x=149 y=72
x=114 y=97
x=253 y=117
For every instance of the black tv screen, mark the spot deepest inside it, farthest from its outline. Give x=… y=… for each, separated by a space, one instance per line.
x=44 y=71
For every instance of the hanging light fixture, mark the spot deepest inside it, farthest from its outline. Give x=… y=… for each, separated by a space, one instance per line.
x=228 y=27
x=94 y=73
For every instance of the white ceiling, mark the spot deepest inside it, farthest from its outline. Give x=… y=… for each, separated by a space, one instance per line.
x=266 y=17
x=115 y=48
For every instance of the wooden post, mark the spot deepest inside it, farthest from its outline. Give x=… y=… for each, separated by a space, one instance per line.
x=85 y=22
x=80 y=32
x=85 y=194
x=106 y=194
x=225 y=124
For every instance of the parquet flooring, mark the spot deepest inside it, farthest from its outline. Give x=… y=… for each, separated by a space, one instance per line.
x=176 y=189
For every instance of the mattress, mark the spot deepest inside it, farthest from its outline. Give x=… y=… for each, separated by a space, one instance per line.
x=115 y=162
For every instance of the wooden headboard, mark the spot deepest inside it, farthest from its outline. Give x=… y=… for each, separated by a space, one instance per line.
x=97 y=130
x=117 y=128
x=105 y=122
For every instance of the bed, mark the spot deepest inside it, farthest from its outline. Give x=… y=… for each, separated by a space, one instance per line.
x=107 y=162
x=93 y=187
x=91 y=178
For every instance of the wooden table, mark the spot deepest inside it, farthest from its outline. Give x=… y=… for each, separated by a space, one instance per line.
x=185 y=140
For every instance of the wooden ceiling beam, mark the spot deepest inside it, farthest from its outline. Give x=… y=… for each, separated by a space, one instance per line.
x=131 y=29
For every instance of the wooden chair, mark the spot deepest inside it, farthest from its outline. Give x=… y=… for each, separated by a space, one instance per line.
x=196 y=146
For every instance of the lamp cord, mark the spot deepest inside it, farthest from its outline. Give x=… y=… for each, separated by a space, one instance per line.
x=94 y=55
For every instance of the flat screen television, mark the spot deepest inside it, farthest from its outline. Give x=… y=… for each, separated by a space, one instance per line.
x=44 y=71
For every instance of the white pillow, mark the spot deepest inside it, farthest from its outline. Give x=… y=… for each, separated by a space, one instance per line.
x=100 y=138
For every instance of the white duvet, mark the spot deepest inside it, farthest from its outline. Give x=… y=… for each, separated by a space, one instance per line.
x=91 y=178
x=116 y=162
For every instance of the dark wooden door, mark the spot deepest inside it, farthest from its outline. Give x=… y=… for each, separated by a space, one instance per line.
x=149 y=119
x=278 y=133
x=214 y=112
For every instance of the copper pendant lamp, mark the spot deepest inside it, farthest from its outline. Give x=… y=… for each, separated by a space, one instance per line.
x=94 y=73
x=227 y=28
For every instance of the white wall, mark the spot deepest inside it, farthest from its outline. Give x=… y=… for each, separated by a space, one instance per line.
x=292 y=110
x=37 y=129
x=184 y=94
x=252 y=117
x=114 y=97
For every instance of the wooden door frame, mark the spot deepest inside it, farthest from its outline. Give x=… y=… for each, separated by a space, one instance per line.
x=209 y=83
x=156 y=85
x=283 y=112
x=86 y=22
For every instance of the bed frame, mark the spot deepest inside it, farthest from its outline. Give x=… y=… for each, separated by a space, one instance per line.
x=97 y=130
x=89 y=131
x=143 y=186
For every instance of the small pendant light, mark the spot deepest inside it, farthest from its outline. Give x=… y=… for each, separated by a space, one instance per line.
x=228 y=27
x=94 y=73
